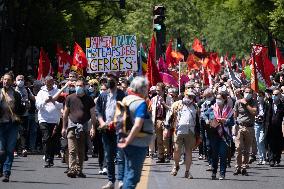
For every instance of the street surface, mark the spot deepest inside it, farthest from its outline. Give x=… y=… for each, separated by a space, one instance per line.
x=28 y=173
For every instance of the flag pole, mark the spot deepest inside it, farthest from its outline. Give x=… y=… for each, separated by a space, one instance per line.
x=179 y=78
x=140 y=61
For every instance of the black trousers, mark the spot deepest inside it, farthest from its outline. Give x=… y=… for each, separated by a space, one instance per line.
x=275 y=148
x=48 y=140
x=99 y=149
x=24 y=133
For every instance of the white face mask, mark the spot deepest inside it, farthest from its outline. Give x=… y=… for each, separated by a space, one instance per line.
x=20 y=83
x=219 y=102
x=210 y=99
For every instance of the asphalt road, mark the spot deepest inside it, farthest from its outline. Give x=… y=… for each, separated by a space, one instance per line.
x=28 y=173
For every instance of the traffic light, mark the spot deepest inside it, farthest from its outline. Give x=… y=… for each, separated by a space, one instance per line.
x=181 y=48
x=159 y=17
x=179 y=43
x=122 y=4
x=159 y=28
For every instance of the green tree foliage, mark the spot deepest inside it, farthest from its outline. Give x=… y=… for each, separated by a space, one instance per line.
x=226 y=25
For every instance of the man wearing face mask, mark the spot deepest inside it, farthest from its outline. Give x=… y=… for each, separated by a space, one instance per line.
x=93 y=88
x=259 y=128
x=273 y=123
x=105 y=110
x=204 y=126
x=20 y=88
x=49 y=113
x=186 y=121
x=245 y=112
x=159 y=108
x=79 y=109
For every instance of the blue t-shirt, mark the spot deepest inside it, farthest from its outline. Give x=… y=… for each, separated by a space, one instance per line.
x=142 y=111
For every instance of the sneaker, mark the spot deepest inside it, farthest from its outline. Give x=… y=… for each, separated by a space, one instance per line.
x=261 y=163
x=272 y=164
x=200 y=157
x=120 y=184
x=181 y=162
x=104 y=171
x=277 y=164
x=188 y=175
x=161 y=160
x=67 y=170
x=209 y=168
x=47 y=165
x=109 y=185
x=175 y=170
x=237 y=171
x=81 y=175
x=6 y=178
x=71 y=174
x=244 y=172
x=100 y=171
x=24 y=153
x=252 y=159
x=15 y=154
x=222 y=177
x=213 y=177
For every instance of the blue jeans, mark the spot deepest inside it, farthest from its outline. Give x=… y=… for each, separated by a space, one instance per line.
x=219 y=150
x=120 y=159
x=8 y=139
x=110 y=148
x=134 y=159
x=33 y=126
x=259 y=137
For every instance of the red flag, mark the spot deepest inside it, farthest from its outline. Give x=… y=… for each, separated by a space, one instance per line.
x=233 y=58
x=197 y=46
x=205 y=76
x=193 y=62
x=44 y=67
x=177 y=56
x=262 y=63
x=280 y=59
x=64 y=61
x=214 y=65
x=254 y=80
x=170 y=61
x=79 y=57
x=152 y=70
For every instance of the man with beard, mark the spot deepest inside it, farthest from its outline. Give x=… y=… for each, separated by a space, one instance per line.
x=105 y=110
x=10 y=109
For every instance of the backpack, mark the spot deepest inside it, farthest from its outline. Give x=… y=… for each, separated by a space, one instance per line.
x=123 y=121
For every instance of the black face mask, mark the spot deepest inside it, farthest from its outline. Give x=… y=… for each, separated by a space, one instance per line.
x=111 y=83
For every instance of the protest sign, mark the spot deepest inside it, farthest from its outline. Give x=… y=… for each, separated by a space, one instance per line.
x=111 y=53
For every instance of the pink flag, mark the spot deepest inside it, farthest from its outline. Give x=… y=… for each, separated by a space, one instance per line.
x=162 y=65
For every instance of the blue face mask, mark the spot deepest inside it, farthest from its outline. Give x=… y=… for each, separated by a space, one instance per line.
x=79 y=90
x=275 y=99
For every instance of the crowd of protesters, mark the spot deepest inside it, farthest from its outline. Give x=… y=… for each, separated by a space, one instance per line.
x=76 y=116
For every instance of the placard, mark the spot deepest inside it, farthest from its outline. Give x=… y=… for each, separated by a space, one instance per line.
x=111 y=53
